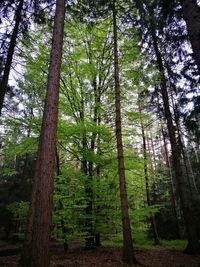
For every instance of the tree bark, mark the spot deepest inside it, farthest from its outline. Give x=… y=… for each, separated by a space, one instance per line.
x=128 y=252
x=11 y=49
x=42 y=196
x=191 y=13
x=193 y=246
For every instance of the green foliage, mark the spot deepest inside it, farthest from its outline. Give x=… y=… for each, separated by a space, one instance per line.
x=86 y=116
x=19 y=210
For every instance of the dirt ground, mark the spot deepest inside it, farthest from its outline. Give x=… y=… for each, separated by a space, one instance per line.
x=111 y=257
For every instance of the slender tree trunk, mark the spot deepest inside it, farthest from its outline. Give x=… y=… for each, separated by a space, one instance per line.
x=191 y=12
x=40 y=222
x=171 y=185
x=4 y=81
x=128 y=252
x=193 y=246
x=170 y=179
x=98 y=171
x=186 y=160
x=61 y=206
x=152 y=217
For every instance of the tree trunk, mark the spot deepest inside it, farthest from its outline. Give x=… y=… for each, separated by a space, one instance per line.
x=186 y=160
x=171 y=186
x=152 y=217
x=61 y=206
x=128 y=252
x=41 y=206
x=191 y=12
x=193 y=243
x=169 y=167
x=4 y=81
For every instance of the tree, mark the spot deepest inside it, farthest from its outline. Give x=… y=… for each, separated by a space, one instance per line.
x=146 y=175
x=128 y=255
x=10 y=53
x=41 y=203
x=22 y=20
x=191 y=12
x=193 y=244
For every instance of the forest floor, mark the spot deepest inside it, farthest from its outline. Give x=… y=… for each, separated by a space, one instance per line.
x=76 y=256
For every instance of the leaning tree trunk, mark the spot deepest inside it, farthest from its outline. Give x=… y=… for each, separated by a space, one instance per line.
x=4 y=81
x=191 y=13
x=128 y=252
x=45 y=165
x=193 y=246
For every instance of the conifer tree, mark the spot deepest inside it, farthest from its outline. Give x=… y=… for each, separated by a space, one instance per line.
x=39 y=223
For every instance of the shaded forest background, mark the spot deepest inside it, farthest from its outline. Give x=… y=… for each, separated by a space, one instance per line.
x=129 y=68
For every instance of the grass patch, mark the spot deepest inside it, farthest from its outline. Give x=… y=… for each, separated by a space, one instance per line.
x=140 y=240
x=174 y=244
x=114 y=241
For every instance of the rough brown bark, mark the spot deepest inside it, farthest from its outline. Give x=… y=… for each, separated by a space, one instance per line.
x=128 y=252
x=191 y=12
x=193 y=246
x=4 y=81
x=41 y=206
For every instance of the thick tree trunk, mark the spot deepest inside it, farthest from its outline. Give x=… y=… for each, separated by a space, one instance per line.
x=193 y=243
x=191 y=12
x=128 y=252
x=4 y=81
x=41 y=206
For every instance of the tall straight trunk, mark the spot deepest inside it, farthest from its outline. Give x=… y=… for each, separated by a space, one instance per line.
x=98 y=172
x=11 y=49
x=61 y=206
x=186 y=160
x=191 y=13
x=193 y=246
x=169 y=167
x=90 y=241
x=40 y=224
x=128 y=252
x=152 y=217
x=171 y=185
